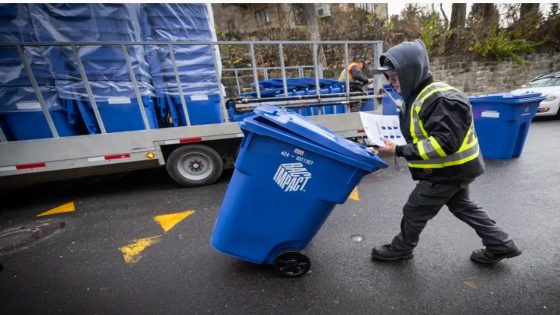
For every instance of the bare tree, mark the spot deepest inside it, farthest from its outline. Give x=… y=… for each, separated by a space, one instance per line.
x=485 y=13
x=458 y=16
x=529 y=10
x=446 y=20
x=456 y=28
x=309 y=13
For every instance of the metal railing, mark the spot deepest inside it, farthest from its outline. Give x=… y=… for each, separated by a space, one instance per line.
x=75 y=46
x=265 y=72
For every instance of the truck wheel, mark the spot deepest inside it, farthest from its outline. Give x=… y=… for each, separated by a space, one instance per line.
x=194 y=165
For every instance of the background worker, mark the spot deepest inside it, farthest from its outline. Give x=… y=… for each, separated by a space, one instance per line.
x=442 y=153
x=358 y=82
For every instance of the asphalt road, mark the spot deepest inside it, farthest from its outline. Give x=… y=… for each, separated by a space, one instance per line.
x=82 y=268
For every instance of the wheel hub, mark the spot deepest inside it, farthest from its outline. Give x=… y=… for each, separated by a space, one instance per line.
x=195 y=166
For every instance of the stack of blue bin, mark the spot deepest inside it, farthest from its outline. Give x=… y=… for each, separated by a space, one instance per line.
x=21 y=116
x=297 y=87
x=196 y=66
x=105 y=66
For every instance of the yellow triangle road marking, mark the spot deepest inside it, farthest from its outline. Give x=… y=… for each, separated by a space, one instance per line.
x=168 y=221
x=131 y=252
x=354 y=195
x=67 y=207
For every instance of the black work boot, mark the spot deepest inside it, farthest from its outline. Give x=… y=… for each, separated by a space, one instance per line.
x=485 y=256
x=388 y=253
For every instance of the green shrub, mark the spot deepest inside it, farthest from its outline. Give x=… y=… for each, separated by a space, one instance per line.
x=500 y=44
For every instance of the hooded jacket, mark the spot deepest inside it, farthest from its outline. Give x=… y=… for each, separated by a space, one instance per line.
x=445 y=116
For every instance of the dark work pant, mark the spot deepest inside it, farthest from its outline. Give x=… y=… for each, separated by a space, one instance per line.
x=356 y=86
x=424 y=203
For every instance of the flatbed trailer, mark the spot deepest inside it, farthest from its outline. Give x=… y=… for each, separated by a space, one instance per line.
x=193 y=154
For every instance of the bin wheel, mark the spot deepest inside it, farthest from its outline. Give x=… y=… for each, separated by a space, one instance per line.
x=194 y=165
x=292 y=264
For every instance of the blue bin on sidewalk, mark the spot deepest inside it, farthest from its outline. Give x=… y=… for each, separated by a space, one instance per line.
x=289 y=175
x=502 y=122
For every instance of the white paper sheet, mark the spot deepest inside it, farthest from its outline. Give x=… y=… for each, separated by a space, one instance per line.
x=379 y=127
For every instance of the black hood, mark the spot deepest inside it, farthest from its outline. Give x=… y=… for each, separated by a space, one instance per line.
x=410 y=59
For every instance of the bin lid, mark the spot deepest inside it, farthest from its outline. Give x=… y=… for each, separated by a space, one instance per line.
x=507 y=98
x=263 y=128
x=312 y=132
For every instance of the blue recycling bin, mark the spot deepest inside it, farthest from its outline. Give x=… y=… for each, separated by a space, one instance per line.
x=289 y=175
x=203 y=109
x=23 y=119
x=502 y=122
x=118 y=113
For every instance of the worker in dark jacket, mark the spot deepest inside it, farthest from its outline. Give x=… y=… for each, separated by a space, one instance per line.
x=357 y=81
x=442 y=153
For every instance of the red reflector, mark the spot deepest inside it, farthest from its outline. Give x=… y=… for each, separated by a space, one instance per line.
x=361 y=131
x=27 y=166
x=117 y=156
x=190 y=140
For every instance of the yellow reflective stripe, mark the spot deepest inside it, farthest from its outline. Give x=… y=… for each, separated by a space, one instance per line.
x=447 y=88
x=419 y=122
x=412 y=132
x=446 y=164
x=421 y=125
x=428 y=150
x=421 y=150
x=429 y=88
x=417 y=106
x=436 y=146
x=449 y=160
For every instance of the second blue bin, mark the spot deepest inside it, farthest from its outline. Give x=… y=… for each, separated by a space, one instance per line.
x=502 y=122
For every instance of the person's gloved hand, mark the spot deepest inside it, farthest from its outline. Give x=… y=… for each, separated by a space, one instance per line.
x=369 y=81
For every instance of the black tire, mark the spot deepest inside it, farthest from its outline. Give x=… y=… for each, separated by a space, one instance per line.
x=194 y=165
x=292 y=264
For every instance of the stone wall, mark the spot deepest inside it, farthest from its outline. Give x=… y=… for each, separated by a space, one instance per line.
x=480 y=77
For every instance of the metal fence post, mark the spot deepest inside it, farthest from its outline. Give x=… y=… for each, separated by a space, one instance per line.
x=38 y=93
x=317 y=86
x=88 y=90
x=346 y=62
x=237 y=82
x=219 y=78
x=2 y=136
x=179 y=85
x=135 y=85
x=254 y=66
x=283 y=68
x=377 y=52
